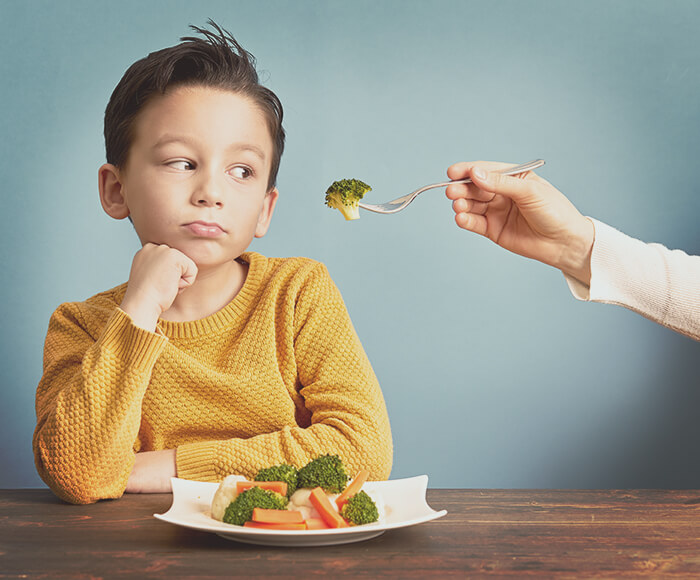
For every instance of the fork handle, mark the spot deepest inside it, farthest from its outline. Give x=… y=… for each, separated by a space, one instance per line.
x=523 y=168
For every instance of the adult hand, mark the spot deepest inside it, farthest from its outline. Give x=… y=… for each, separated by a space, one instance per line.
x=524 y=214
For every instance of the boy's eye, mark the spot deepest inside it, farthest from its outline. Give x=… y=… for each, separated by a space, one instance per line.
x=240 y=172
x=182 y=165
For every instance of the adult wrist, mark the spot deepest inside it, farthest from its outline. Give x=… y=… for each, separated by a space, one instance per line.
x=576 y=259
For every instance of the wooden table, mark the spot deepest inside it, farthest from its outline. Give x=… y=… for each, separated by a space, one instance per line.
x=500 y=533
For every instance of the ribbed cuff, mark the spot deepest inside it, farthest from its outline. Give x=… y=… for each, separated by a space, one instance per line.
x=578 y=289
x=137 y=347
x=196 y=461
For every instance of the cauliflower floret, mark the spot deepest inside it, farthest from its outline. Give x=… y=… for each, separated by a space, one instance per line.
x=224 y=495
x=300 y=502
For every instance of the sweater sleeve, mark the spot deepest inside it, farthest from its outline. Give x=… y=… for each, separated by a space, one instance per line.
x=660 y=284
x=88 y=404
x=340 y=391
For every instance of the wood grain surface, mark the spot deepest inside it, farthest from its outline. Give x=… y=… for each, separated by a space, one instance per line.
x=486 y=533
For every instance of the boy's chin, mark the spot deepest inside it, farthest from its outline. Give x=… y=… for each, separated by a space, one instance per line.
x=206 y=256
x=205 y=260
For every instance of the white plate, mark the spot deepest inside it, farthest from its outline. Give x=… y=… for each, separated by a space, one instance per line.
x=404 y=499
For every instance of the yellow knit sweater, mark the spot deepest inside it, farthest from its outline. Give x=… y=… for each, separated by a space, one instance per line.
x=278 y=375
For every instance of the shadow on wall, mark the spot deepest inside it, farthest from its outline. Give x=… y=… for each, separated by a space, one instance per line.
x=655 y=438
x=667 y=455
x=660 y=446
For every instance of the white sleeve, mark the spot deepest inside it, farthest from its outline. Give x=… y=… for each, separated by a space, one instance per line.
x=661 y=284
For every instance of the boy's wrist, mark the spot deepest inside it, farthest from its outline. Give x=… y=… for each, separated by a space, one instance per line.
x=140 y=315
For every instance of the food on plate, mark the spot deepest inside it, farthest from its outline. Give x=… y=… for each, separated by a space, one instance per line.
x=225 y=494
x=345 y=195
x=282 y=472
x=326 y=471
x=265 y=516
x=240 y=510
x=354 y=487
x=315 y=524
x=287 y=526
x=276 y=486
x=324 y=507
x=315 y=497
x=360 y=509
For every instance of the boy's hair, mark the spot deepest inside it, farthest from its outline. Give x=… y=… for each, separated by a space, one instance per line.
x=216 y=61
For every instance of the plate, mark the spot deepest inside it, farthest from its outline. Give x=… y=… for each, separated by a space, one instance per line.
x=404 y=500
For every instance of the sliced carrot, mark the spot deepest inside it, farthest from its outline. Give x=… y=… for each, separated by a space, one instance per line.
x=266 y=516
x=288 y=526
x=323 y=506
x=316 y=524
x=278 y=486
x=354 y=487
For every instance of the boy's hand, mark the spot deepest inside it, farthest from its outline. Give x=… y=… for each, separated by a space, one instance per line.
x=524 y=214
x=158 y=274
x=152 y=472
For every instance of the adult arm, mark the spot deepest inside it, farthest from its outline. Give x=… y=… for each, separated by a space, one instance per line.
x=530 y=217
x=660 y=284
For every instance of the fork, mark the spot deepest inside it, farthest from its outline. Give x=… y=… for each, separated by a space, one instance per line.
x=402 y=202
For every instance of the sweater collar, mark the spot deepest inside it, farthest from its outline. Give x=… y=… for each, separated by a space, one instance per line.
x=224 y=318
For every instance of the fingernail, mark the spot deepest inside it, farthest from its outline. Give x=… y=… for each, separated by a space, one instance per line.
x=479 y=173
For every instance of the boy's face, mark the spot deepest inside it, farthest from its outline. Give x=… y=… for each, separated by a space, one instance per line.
x=196 y=176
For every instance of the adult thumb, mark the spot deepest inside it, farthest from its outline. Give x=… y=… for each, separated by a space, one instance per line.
x=518 y=189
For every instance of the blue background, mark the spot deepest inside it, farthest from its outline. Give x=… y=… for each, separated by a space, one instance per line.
x=494 y=375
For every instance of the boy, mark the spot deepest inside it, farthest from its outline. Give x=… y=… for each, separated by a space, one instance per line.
x=210 y=360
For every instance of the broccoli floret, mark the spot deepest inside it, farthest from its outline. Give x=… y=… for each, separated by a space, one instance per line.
x=282 y=472
x=326 y=471
x=345 y=195
x=240 y=510
x=360 y=509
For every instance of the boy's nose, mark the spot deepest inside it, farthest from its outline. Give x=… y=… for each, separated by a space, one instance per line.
x=208 y=200
x=208 y=194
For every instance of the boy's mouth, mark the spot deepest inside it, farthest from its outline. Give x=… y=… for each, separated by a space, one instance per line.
x=205 y=229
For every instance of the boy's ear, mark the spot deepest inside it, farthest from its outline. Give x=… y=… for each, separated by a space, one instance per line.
x=266 y=213
x=111 y=194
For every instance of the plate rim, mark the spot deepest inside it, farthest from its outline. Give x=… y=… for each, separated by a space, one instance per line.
x=307 y=537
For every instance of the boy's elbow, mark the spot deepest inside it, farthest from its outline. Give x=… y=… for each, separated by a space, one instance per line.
x=77 y=490
x=376 y=454
x=76 y=486
x=80 y=492
x=385 y=459
x=75 y=496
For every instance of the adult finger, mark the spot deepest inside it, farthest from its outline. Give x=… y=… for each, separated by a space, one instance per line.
x=470 y=206
x=467 y=191
x=514 y=187
x=472 y=223
x=463 y=168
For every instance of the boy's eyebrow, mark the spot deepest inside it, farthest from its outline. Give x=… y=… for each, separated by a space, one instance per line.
x=167 y=139
x=249 y=147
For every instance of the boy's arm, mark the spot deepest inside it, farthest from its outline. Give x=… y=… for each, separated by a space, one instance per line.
x=340 y=391
x=88 y=404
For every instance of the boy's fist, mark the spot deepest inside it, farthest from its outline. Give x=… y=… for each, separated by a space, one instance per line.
x=158 y=274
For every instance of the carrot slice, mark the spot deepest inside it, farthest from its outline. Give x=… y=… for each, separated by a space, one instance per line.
x=288 y=526
x=354 y=487
x=316 y=524
x=278 y=486
x=320 y=501
x=267 y=516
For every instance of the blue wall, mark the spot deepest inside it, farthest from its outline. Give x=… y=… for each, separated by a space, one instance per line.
x=493 y=374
